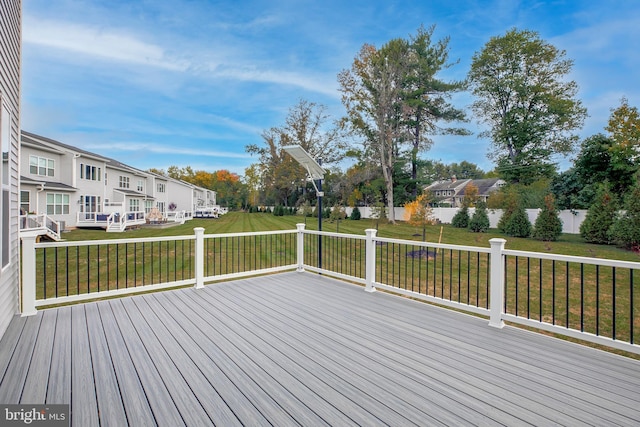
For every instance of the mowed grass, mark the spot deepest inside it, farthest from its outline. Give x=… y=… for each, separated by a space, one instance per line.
x=574 y=295
x=236 y=222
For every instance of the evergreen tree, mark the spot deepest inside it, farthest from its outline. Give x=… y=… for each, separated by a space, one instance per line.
x=626 y=229
x=600 y=217
x=518 y=224
x=548 y=226
x=479 y=222
x=355 y=214
x=461 y=218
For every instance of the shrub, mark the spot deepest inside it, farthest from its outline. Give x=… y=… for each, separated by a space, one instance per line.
x=479 y=222
x=548 y=226
x=461 y=218
x=600 y=217
x=626 y=229
x=337 y=213
x=355 y=214
x=307 y=210
x=518 y=224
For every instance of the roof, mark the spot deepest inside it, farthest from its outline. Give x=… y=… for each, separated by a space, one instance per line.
x=131 y=192
x=485 y=186
x=448 y=185
x=48 y=185
x=41 y=141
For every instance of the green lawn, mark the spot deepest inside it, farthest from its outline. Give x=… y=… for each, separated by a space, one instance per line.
x=235 y=222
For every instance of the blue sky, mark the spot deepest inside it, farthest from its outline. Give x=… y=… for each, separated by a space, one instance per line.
x=156 y=83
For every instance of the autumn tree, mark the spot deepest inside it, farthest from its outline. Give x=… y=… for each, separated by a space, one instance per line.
x=524 y=96
x=624 y=129
x=419 y=214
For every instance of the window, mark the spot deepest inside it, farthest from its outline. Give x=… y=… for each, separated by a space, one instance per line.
x=140 y=185
x=161 y=187
x=57 y=204
x=123 y=182
x=89 y=172
x=41 y=166
x=25 y=205
x=5 y=185
x=90 y=204
x=134 y=205
x=148 y=205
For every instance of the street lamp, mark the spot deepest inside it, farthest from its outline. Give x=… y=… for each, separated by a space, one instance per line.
x=315 y=172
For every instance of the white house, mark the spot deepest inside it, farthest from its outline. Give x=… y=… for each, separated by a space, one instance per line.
x=10 y=58
x=64 y=184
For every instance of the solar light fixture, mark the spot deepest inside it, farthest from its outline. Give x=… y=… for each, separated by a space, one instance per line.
x=315 y=172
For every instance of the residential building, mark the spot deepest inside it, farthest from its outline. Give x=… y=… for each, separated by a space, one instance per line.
x=451 y=192
x=82 y=189
x=10 y=65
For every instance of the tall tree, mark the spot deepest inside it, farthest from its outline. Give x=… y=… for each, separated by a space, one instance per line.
x=306 y=125
x=393 y=97
x=371 y=95
x=426 y=97
x=523 y=94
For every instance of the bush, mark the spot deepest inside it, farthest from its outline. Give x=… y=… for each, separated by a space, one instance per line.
x=548 y=226
x=461 y=218
x=518 y=224
x=600 y=217
x=626 y=229
x=337 y=213
x=479 y=222
x=355 y=214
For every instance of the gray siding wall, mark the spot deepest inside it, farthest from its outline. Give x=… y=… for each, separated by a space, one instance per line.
x=10 y=57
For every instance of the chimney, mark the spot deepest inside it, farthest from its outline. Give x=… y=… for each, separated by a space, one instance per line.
x=453 y=178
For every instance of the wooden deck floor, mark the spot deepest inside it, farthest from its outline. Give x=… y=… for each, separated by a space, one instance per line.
x=301 y=349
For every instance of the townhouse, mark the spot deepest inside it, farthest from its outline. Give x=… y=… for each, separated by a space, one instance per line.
x=82 y=189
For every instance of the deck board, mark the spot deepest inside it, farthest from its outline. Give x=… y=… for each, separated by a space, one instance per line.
x=59 y=381
x=35 y=387
x=84 y=404
x=302 y=349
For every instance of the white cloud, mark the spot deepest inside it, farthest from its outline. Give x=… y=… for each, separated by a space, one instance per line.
x=94 y=41
x=125 y=47
x=163 y=149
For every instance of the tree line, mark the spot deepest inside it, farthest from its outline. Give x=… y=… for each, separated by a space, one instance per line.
x=396 y=101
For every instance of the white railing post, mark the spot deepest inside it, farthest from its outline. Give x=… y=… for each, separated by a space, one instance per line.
x=496 y=284
x=29 y=275
x=199 y=257
x=300 y=247
x=370 y=260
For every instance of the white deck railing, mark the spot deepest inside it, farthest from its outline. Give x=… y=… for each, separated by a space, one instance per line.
x=40 y=224
x=586 y=298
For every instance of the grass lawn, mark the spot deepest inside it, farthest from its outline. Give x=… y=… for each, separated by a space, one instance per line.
x=235 y=222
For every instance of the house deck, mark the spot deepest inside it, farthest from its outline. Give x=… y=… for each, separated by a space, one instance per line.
x=302 y=349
